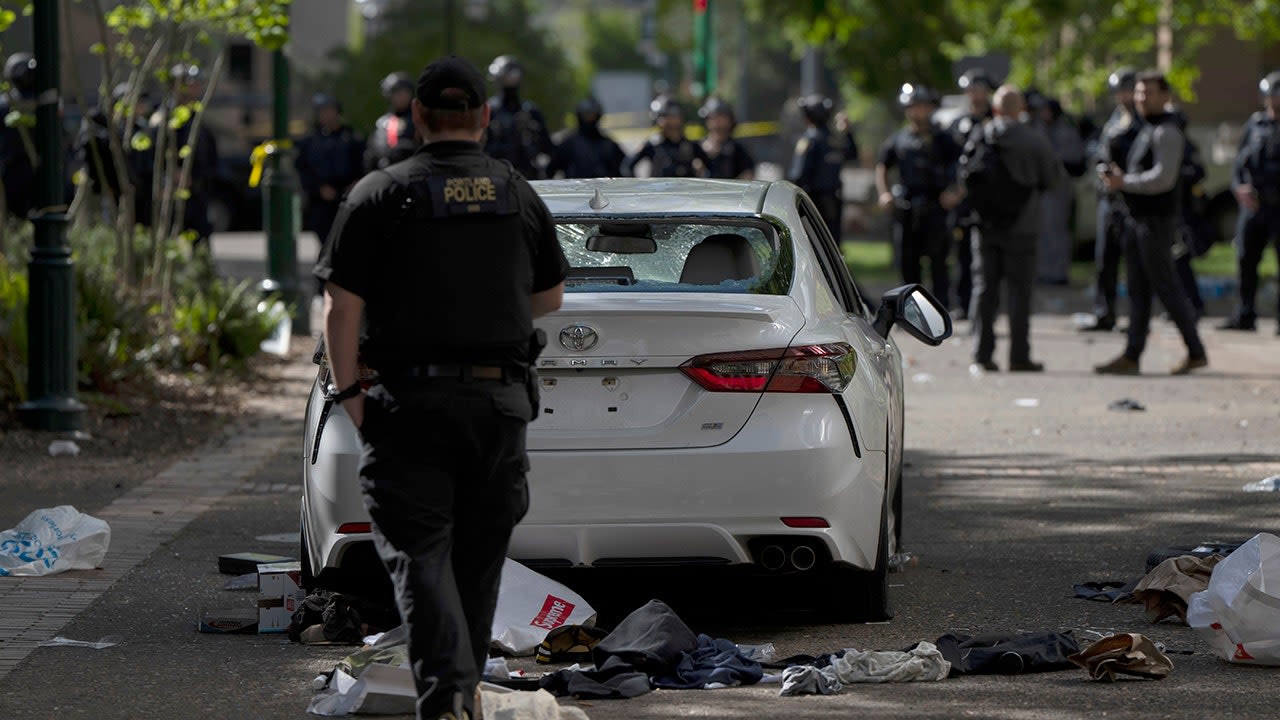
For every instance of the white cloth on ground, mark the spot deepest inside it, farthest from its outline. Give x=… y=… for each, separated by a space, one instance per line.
x=924 y=663
x=809 y=680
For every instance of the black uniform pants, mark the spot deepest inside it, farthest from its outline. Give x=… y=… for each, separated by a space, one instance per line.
x=831 y=208
x=962 y=230
x=1254 y=231
x=921 y=232
x=1108 y=251
x=1149 y=265
x=1009 y=260
x=443 y=474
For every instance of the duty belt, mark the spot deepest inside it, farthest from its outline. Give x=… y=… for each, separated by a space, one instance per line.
x=511 y=373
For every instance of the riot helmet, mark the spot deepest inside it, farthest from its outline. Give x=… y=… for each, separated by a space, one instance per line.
x=589 y=111
x=185 y=74
x=665 y=106
x=20 y=71
x=396 y=81
x=912 y=95
x=325 y=100
x=1269 y=86
x=716 y=106
x=974 y=77
x=1122 y=80
x=507 y=71
x=817 y=108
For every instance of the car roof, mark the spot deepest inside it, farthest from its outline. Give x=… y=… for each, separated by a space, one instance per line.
x=653 y=196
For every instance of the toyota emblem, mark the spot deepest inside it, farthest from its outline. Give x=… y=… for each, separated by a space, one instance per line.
x=578 y=338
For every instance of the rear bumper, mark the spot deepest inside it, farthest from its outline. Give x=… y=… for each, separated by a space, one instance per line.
x=794 y=457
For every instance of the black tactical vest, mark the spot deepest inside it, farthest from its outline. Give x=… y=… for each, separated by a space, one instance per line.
x=458 y=271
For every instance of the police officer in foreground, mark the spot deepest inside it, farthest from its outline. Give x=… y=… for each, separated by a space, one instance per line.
x=961 y=221
x=1149 y=187
x=818 y=159
x=925 y=157
x=670 y=153
x=1255 y=179
x=393 y=137
x=329 y=161
x=587 y=152
x=1118 y=134
x=518 y=131
x=17 y=144
x=450 y=255
x=729 y=159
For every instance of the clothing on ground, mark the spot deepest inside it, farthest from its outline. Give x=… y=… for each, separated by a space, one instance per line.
x=1166 y=590
x=1008 y=653
x=714 y=662
x=652 y=639
x=1105 y=590
x=922 y=663
x=1124 y=654
x=809 y=680
x=615 y=680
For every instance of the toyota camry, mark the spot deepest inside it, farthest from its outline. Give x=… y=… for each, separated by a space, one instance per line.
x=717 y=391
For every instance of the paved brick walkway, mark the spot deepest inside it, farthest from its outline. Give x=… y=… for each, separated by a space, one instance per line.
x=34 y=609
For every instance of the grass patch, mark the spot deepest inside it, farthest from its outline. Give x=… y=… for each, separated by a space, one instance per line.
x=871 y=261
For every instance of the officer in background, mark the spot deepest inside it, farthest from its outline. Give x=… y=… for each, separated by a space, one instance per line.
x=1056 y=242
x=93 y=148
x=1118 y=134
x=518 y=131
x=670 y=153
x=1190 y=242
x=17 y=144
x=817 y=161
x=329 y=161
x=729 y=159
x=1149 y=186
x=204 y=149
x=393 y=137
x=1255 y=179
x=925 y=157
x=961 y=221
x=444 y=462
x=587 y=152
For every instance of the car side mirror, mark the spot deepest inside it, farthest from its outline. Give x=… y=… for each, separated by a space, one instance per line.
x=918 y=312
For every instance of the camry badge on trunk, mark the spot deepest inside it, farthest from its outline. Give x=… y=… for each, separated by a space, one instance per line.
x=578 y=337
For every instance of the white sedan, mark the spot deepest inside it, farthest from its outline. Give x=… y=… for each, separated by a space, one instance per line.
x=716 y=391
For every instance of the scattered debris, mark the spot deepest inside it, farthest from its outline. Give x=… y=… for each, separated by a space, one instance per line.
x=52 y=540
x=282 y=538
x=248 y=562
x=1124 y=654
x=1239 y=613
x=922 y=378
x=1166 y=589
x=1008 y=653
x=1270 y=484
x=899 y=561
x=760 y=653
x=228 y=620
x=1027 y=402
x=1127 y=405
x=105 y=642
x=58 y=448
x=531 y=605
x=248 y=581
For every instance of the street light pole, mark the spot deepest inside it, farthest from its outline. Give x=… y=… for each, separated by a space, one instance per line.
x=51 y=345
x=282 y=206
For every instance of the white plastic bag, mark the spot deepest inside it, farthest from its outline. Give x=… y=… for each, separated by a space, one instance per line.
x=1239 y=613
x=530 y=606
x=52 y=540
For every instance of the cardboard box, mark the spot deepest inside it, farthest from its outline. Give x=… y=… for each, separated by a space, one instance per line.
x=280 y=592
x=228 y=620
x=247 y=562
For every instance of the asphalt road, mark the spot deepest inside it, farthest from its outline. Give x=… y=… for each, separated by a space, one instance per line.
x=1008 y=505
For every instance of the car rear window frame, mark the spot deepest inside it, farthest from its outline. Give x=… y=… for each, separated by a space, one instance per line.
x=779 y=282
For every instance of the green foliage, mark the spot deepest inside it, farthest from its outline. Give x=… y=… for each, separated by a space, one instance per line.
x=13 y=329
x=125 y=333
x=612 y=41
x=1067 y=47
x=407 y=43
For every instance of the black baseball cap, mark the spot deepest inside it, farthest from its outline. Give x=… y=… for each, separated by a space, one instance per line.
x=451 y=73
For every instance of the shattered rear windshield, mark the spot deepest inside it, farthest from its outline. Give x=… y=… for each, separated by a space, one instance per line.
x=675 y=256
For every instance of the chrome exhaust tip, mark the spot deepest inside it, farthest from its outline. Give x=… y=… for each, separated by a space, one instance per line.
x=773 y=557
x=803 y=557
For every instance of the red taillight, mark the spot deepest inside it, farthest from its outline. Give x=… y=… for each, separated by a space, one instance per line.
x=804 y=369
x=805 y=522
x=353 y=528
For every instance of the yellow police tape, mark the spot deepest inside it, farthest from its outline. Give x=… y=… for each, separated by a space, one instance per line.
x=258 y=158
